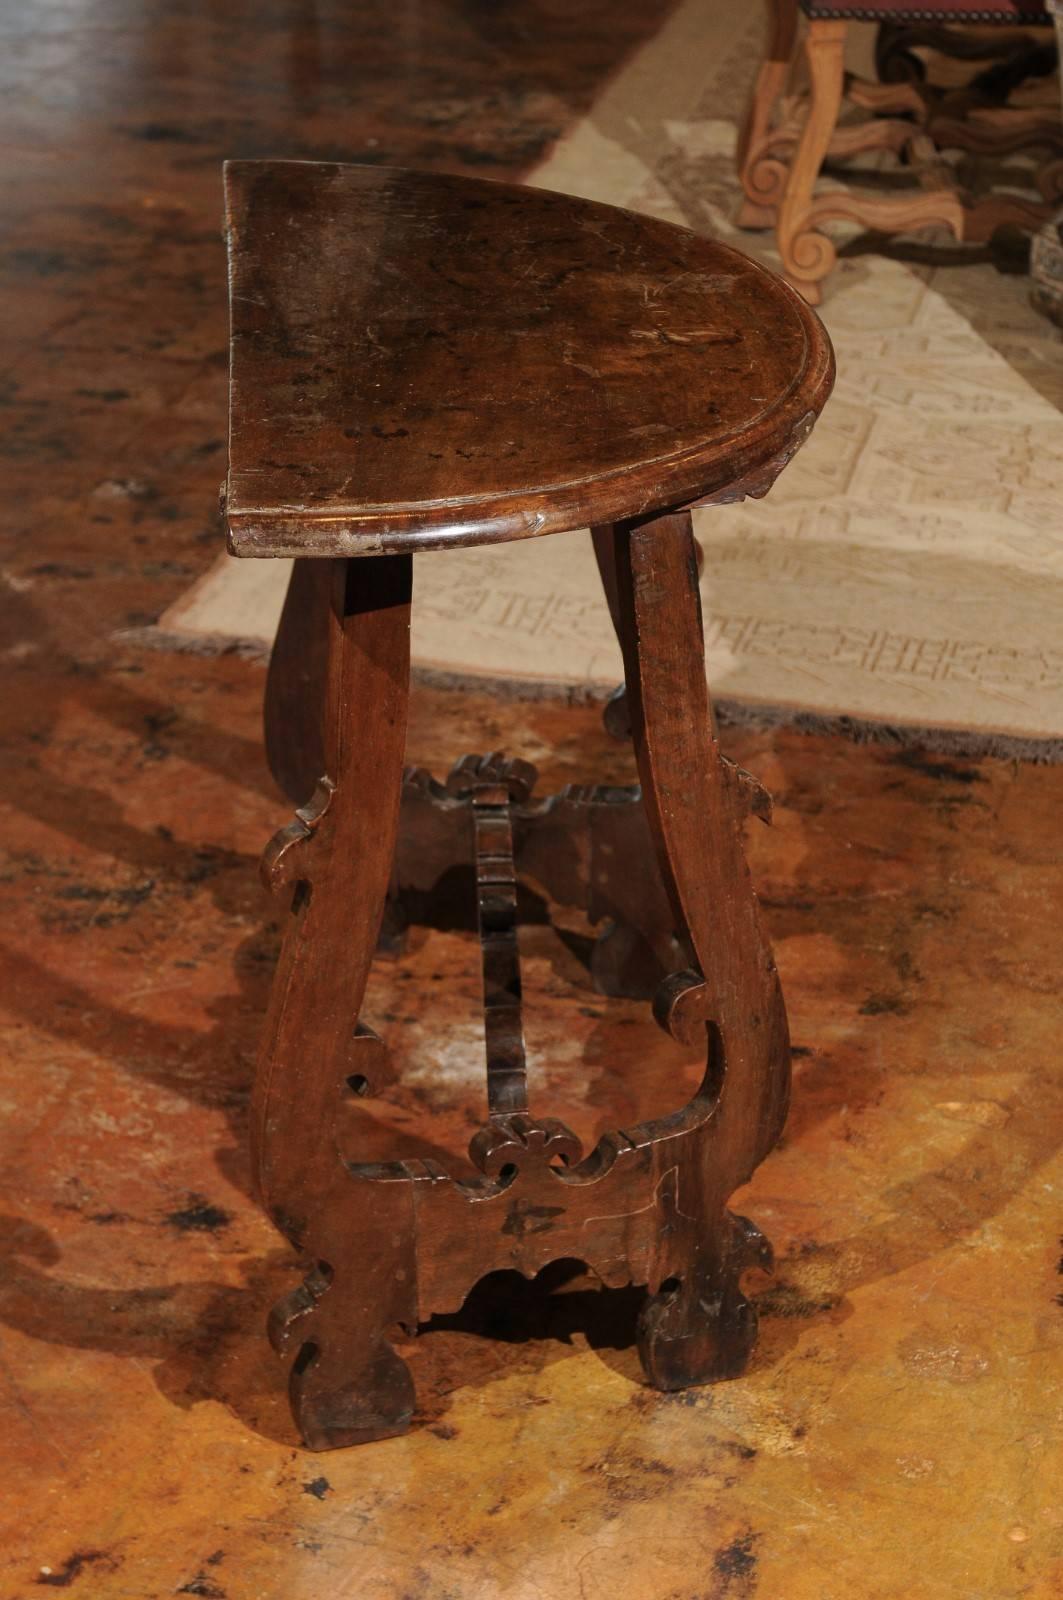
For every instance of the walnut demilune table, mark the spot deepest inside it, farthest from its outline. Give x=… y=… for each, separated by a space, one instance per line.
x=422 y=362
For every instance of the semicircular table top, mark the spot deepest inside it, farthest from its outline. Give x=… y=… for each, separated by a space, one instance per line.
x=421 y=360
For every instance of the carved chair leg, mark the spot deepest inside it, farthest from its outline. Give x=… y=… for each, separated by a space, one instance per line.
x=698 y=1325
x=807 y=253
x=761 y=173
x=333 y=863
x=807 y=257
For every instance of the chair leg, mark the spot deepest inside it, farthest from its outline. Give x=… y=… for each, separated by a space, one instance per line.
x=807 y=253
x=807 y=256
x=761 y=173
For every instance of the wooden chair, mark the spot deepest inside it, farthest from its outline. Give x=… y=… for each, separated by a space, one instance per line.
x=422 y=363
x=786 y=139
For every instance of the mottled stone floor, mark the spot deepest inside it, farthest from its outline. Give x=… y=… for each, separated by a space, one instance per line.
x=897 y=1434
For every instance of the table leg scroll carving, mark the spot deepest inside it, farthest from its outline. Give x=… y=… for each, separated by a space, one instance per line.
x=396 y=1242
x=334 y=861
x=699 y=1325
x=533 y=413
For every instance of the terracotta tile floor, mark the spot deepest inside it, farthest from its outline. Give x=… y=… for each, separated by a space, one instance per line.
x=898 y=1432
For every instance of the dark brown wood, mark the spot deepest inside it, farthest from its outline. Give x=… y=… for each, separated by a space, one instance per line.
x=616 y=716
x=493 y=784
x=702 y=1326
x=371 y=310
x=333 y=862
x=294 y=708
x=421 y=360
x=403 y=1241
x=588 y=848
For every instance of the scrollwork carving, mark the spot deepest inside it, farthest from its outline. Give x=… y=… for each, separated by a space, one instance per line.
x=285 y=859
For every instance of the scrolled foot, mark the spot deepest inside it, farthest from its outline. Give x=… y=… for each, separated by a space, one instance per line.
x=333 y=1409
x=755 y=218
x=764 y=182
x=807 y=259
x=700 y=1328
x=346 y=1383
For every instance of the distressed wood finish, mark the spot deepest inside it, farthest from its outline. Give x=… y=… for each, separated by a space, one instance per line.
x=294 y=705
x=399 y=1242
x=729 y=992
x=333 y=862
x=569 y=288
x=420 y=360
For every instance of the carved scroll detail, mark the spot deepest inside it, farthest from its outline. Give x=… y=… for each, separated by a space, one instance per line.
x=285 y=860
x=396 y=1242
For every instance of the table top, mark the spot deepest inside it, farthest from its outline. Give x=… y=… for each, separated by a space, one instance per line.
x=420 y=360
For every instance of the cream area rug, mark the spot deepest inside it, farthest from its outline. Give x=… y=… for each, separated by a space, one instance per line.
x=905 y=575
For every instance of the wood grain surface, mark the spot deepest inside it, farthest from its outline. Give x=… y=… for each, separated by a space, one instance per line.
x=498 y=362
x=422 y=360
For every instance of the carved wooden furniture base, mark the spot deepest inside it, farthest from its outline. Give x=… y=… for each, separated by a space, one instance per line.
x=661 y=866
x=787 y=139
x=406 y=1240
x=519 y=363
x=588 y=848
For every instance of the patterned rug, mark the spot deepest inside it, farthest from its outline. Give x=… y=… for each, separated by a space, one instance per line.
x=905 y=576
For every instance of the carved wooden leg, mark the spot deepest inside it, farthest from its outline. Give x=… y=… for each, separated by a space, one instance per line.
x=616 y=715
x=698 y=1325
x=761 y=173
x=626 y=956
x=346 y=1384
x=334 y=863
x=806 y=256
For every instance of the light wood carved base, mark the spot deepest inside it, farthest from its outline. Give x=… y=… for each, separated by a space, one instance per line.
x=787 y=139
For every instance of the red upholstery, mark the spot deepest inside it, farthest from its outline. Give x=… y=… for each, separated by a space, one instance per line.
x=1014 y=12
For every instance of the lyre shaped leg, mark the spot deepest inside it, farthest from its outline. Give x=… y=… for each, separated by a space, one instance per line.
x=698 y=1326
x=333 y=864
